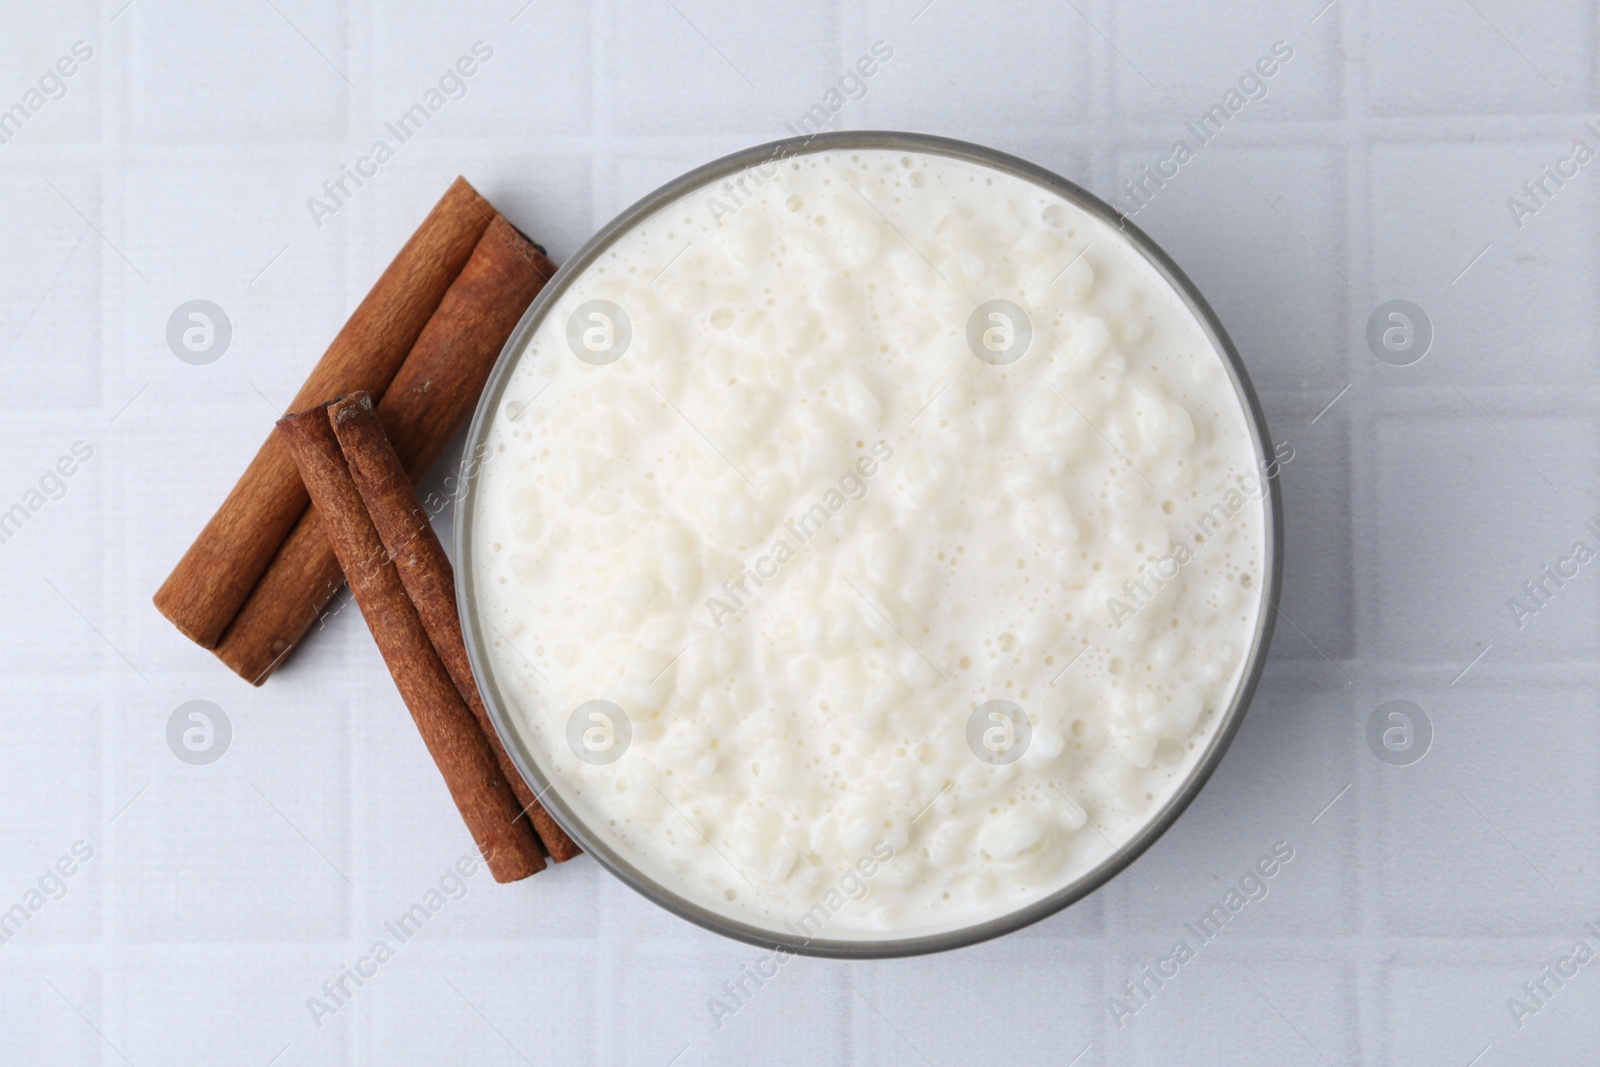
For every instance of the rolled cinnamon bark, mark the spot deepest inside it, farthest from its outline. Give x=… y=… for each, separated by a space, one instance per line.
x=459 y=748
x=429 y=400
x=409 y=540
x=211 y=581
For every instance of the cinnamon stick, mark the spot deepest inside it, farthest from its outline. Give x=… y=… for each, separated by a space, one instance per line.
x=427 y=403
x=425 y=571
x=214 y=577
x=458 y=746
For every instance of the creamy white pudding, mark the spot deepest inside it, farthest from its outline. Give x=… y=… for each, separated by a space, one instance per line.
x=868 y=545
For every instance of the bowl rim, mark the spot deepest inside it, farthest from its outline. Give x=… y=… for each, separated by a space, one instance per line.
x=547 y=788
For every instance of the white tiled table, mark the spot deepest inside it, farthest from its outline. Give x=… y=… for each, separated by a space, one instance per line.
x=218 y=899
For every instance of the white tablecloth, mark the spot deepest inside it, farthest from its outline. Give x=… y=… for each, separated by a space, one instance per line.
x=176 y=162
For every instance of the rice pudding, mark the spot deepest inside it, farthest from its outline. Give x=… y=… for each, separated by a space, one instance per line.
x=866 y=545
